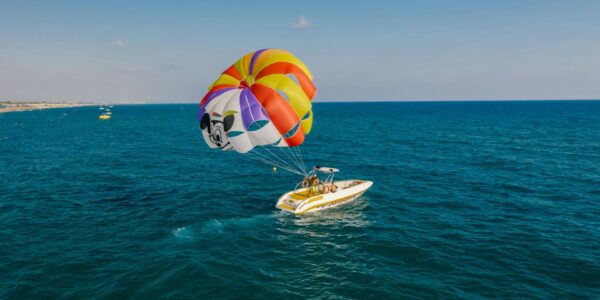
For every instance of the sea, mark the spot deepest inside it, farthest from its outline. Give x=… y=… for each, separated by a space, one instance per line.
x=471 y=200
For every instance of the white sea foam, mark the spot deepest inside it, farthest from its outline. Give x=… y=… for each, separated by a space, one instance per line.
x=183 y=233
x=220 y=225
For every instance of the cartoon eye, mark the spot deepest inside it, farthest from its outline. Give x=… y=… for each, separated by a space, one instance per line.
x=205 y=122
x=228 y=122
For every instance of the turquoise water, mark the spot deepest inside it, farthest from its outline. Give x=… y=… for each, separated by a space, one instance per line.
x=471 y=200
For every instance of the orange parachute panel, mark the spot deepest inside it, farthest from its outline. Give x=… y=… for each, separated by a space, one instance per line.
x=281 y=113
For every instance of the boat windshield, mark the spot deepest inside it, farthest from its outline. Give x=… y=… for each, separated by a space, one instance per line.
x=314 y=184
x=326 y=169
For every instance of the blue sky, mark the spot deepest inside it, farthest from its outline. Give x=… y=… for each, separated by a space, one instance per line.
x=170 y=51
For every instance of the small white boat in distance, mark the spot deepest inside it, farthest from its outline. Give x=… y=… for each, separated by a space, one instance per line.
x=311 y=194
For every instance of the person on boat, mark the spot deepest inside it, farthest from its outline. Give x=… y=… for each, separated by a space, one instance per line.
x=314 y=181
x=333 y=188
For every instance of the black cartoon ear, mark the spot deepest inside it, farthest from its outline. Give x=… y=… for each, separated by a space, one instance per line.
x=205 y=122
x=228 y=122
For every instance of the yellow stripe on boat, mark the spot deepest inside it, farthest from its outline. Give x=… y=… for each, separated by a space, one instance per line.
x=285 y=206
x=313 y=199
x=298 y=196
x=337 y=201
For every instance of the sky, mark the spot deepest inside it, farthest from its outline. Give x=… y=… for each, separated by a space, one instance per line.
x=170 y=51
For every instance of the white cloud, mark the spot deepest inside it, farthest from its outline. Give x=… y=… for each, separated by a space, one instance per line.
x=117 y=43
x=301 y=23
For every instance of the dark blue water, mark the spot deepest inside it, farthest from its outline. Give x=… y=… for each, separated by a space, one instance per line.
x=471 y=200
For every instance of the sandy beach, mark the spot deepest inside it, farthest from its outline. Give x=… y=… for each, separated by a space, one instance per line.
x=26 y=106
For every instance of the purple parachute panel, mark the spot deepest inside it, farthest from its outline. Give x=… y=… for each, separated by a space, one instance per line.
x=253 y=60
x=253 y=114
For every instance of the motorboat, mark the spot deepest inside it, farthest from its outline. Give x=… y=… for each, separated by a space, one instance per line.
x=106 y=113
x=312 y=194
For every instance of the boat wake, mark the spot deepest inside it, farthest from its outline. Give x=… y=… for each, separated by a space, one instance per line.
x=219 y=226
x=184 y=233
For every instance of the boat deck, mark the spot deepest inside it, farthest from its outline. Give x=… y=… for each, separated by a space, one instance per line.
x=301 y=195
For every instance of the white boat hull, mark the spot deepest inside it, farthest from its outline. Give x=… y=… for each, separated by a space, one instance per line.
x=301 y=202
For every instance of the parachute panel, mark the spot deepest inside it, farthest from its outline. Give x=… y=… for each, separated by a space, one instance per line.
x=307 y=123
x=282 y=57
x=295 y=95
x=288 y=68
x=281 y=113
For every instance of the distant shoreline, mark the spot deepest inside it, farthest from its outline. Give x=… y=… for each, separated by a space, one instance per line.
x=10 y=106
x=28 y=106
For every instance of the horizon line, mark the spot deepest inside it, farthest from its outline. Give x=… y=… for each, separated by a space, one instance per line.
x=317 y=101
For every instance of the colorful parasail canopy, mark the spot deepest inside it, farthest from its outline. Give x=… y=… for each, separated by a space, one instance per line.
x=263 y=99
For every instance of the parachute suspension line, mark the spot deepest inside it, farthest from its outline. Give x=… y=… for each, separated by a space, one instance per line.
x=292 y=158
x=281 y=160
x=271 y=163
x=293 y=153
x=301 y=158
x=309 y=154
x=273 y=159
x=260 y=157
x=289 y=153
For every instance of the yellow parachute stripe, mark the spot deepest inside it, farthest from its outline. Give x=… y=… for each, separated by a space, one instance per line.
x=292 y=91
x=240 y=68
x=242 y=64
x=224 y=79
x=247 y=58
x=263 y=55
x=280 y=57
x=307 y=124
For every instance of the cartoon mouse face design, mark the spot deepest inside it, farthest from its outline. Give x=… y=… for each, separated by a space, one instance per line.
x=216 y=127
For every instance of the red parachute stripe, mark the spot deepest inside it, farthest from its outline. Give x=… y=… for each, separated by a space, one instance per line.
x=232 y=71
x=289 y=68
x=214 y=89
